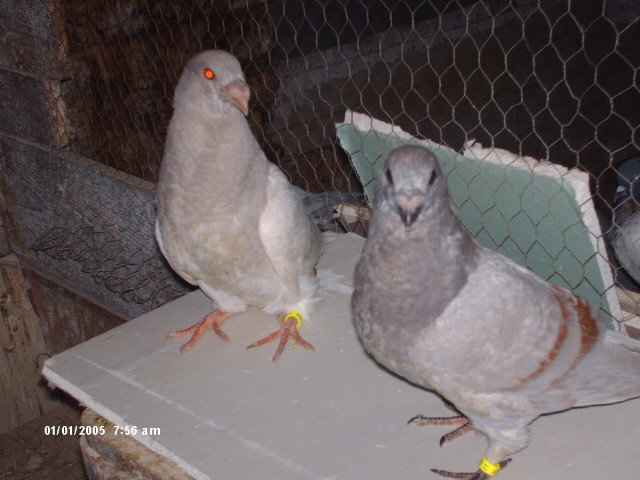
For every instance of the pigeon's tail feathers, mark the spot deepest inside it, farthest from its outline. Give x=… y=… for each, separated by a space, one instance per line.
x=305 y=304
x=622 y=341
x=614 y=373
x=626 y=356
x=589 y=365
x=309 y=293
x=321 y=206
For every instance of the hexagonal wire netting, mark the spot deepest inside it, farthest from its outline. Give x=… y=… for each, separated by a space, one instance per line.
x=549 y=79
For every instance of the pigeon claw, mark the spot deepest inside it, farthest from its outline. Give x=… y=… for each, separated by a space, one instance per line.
x=288 y=330
x=477 y=475
x=462 y=476
x=423 y=421
x=213 y=321
x=463 y=424
x=459 y=432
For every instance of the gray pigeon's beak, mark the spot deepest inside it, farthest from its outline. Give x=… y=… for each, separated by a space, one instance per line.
x=238 y=92
x=621 y=194
x=409 y=216
x=410 y=204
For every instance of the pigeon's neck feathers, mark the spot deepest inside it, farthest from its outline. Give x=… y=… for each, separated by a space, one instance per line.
x=437 y=236
x=211 y=135
x=202 y=102
x=209 y=154
x=437 y=255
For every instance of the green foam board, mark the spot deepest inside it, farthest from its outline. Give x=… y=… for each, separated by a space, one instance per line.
x=537 y=213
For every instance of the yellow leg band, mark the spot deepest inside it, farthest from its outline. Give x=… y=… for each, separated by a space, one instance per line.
x=489 y=468
x=294 y=315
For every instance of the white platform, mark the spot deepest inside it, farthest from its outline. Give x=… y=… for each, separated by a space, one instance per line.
x=230 y=413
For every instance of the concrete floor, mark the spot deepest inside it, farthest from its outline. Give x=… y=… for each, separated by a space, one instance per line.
x=228 y=413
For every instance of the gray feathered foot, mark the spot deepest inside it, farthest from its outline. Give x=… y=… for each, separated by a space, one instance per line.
x=289 y=329
x=462 y=423
x=478 y=475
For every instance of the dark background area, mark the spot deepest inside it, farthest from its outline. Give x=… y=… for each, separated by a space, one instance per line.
x=305 y=27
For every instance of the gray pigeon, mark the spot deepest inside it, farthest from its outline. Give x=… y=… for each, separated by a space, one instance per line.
x=504 y=346
x=228 y=219
x=625 y=232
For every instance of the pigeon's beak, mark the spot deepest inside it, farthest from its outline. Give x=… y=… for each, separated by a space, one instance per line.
x=409 y=216
x=409 y=208
x=622 y=193
x=238 y=92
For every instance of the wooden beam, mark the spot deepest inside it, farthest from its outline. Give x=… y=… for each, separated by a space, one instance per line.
x=86 y=227
x=33 y=108
x=24 y=396
x=66 y=319
x=33 y=38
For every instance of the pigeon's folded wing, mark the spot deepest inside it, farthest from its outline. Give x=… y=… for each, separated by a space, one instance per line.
x=290 y=239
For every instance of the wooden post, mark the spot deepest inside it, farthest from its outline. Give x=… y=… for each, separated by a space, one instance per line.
x=24 y=396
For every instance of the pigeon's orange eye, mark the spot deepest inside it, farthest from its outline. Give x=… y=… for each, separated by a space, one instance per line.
x=209 y=74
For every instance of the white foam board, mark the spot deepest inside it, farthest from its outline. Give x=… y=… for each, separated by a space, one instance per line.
x=229 y=413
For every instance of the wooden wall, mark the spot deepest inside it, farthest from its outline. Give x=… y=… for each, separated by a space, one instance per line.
x=125 y=58
x=80 y=222
x=71 y=73
x=85 y=258
x=23 y=395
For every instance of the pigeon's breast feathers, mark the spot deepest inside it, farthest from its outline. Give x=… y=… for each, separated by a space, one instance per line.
x=210 y=150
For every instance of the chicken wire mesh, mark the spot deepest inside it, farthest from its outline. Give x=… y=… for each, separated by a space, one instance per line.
x=548 y=79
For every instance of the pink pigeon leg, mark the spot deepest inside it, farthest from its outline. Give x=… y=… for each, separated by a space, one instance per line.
x=212 y=321
x=289 y=329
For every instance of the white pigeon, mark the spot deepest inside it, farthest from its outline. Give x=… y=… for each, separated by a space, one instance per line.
x=228 y=219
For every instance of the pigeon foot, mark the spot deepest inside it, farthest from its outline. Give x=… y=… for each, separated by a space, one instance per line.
x=478 y=475
x=212 y=321
x=462 y=423
x=289 y=329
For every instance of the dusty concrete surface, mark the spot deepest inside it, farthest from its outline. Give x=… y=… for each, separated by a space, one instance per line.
x=26 y=453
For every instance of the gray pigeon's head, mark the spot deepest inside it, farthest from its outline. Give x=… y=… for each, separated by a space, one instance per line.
x=411 y=186
x=214 y=79
x=628 y=180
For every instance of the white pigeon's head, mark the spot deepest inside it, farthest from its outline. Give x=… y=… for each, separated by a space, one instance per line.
x=213 y=78
x=411 y=184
